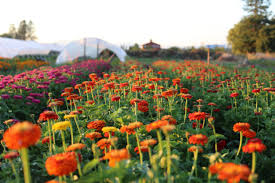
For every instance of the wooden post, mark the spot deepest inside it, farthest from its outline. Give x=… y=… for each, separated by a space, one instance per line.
x=208 y=56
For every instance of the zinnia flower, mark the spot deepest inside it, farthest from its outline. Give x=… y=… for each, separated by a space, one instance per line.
x=47 y=115
x=61 y=125
x=156 y=125
x=116 y=155
x=22 y=135
x=241 y=127
x=230 y=172
x=233 y=95
x=194 y=148
x=109 y=129
x=170 y=119
x=149 y=142
x=198 y=139
x=142 y=148
x=74 y=147
x=197 y=116
x=97 y=125
x=249 y=133
x=93 y=135
x=61 y=164
x=102 y=143
x=11 y=155
x=254 y=145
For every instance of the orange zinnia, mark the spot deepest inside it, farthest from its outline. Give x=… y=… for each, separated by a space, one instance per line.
x=93 y=135
x=47 y=115
x=198 y=139
x=102 y=143
x=156 y=125
x=116 y=155
x=194 y=148
x=233 y=173
x=61 y=164
x=11 y=155
x=125 y=128
x=254 y=145
x=170 y=119
x=197 y=116
x=22 y=135
x=149 y=142
x=241 y=127
x=98 y=125
x=249 y=133
x=75 y=147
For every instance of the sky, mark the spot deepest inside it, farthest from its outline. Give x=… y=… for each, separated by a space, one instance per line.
x=179 y=23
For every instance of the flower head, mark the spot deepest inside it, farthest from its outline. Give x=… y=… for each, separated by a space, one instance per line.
x=197 y=116
x=156 y=125
x=97 y=125
x=22 y=135
x=74 y=147
x=61 y=125
x=109 y=129
x=116 y=155
x=11 y=155
x=241 y=127
x=61 y=164
x=93 y=135
x=47 y=115
x=149 y=142
x=198 y=139
x=254 y=145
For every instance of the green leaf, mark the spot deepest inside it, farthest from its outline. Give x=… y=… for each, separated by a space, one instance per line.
x=90 y=165
x=213 y=137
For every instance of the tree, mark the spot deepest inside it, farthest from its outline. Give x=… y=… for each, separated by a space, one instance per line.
x=266 y=41
x=243 y=37
x=135 y=47
x=257 y=7
x=30 y=31
x=24 y=32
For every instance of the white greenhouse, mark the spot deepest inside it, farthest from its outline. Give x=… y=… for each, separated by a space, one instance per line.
x=10 y=48
x=90 y=47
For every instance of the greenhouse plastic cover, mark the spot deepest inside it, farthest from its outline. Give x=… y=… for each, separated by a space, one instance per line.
x=10 y=48
x=92 y=47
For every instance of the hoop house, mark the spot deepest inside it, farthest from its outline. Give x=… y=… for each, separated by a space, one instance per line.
x=10 y=48
x=90 y=47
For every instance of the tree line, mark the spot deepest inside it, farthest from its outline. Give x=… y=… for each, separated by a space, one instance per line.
x=256 y=31
x=25 y=31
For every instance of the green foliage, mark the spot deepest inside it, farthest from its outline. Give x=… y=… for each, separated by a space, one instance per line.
x=25 y=31
x=257 y=7
x=251 y=34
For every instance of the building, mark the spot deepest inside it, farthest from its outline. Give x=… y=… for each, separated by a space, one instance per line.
x=151 y=46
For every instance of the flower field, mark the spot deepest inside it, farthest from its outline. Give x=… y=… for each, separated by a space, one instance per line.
x=167 y=122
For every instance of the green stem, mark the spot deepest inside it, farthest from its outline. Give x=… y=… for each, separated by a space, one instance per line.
x=59 y=178
x=14 y=171
x=194 y=167
x=241 y=141
x=63 y=140
x=139 y=149
x=49 y=131
x=168 y=158
x=72 y=133
x=216 y=146
x=160 y=141
x=253 y=162
x=26 y=165
x=78 y=166
x=77 y=125
x=185 y=111
x=128 y=143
